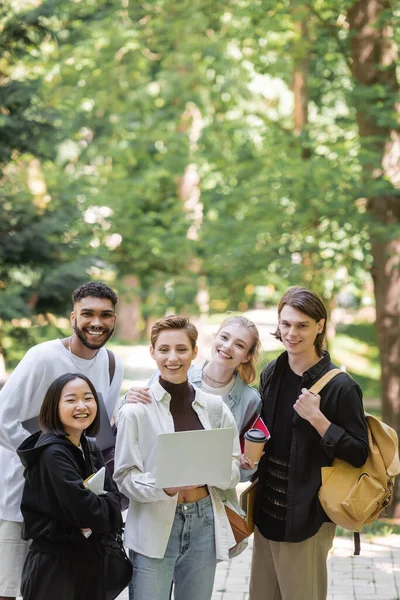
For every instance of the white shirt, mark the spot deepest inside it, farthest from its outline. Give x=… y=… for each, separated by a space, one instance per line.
x=151 y=511
x=221 y=391
x=22 y=397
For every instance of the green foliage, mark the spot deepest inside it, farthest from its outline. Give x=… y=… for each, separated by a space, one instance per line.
x=356 y=347
x=16 y=340
x=121 y=101
x=377 y=528
x=43 y=243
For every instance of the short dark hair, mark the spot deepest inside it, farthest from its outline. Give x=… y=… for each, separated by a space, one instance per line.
x=49 y=419
x=95 y=289
x=174 y=322
x=310 y=304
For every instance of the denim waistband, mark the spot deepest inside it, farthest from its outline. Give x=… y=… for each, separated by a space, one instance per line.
x=187 y=508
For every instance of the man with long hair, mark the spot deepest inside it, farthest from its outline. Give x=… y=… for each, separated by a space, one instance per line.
x=293 y=535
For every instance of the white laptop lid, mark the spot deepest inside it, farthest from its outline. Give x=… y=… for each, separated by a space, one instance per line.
x=194 y=458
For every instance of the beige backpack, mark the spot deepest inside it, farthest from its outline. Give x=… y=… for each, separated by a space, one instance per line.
x=354 y=496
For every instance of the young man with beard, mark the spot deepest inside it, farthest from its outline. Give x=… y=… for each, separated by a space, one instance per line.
x=292 y=534
x=93 y=321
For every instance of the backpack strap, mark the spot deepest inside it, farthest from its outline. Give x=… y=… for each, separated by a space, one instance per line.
x=357 y=543
x=321 y=383
x=111 y=364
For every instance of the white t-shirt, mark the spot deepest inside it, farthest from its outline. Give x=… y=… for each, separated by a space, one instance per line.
x=22 y=397
x=221 y=391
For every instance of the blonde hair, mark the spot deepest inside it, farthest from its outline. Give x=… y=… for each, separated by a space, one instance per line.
x=174 y=322
x=247 y=370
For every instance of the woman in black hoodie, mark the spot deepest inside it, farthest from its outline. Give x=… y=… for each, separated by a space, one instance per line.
x=65 y=521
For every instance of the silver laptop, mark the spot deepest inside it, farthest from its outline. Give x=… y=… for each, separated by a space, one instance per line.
x=194 y=458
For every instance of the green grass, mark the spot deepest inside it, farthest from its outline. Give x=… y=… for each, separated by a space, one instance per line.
x=381 y=528
x=356 y=347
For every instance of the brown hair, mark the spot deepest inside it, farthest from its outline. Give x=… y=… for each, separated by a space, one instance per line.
x=247 y=370
x=310 y=304
x=174 y=322
x=49 y=419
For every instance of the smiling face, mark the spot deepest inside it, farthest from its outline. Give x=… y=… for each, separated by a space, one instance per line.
x=232 y=346
x=298 y=332
x=173 y=354
x=93 y=321
x=77 y=407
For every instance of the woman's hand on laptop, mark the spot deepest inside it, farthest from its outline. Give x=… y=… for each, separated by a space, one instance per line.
x=138 y=394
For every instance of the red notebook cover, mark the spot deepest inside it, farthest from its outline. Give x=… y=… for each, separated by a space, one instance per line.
x=255 y=423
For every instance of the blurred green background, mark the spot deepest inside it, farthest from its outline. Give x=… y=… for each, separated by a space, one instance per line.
x=201 y=157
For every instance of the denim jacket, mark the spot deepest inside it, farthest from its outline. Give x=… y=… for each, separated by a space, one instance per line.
x=243 y=400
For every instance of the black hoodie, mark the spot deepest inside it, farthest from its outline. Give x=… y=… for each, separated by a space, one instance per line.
x=56 y=506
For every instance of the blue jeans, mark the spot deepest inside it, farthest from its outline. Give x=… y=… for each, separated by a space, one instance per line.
x=189 y=562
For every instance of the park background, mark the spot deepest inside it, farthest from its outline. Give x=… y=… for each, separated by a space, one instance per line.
x=200 y=157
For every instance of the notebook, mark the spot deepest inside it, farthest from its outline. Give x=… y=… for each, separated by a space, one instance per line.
x=194 y=458
x=95 y=482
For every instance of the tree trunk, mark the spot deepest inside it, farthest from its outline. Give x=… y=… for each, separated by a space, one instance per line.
x=128 y=309
x=373 y=66
x=301 y=69
x=190 y=195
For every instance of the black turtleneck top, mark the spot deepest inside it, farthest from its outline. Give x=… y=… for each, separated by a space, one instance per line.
x=182 y=396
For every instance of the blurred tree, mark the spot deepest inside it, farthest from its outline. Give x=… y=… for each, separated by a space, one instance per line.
x=235 y=144
x=42 y=241
x=137 y=106
x=374 y=61
x=279 y=167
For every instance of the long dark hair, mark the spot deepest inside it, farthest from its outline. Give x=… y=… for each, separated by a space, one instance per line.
x=49 y=419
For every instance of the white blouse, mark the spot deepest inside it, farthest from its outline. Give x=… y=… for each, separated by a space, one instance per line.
x=151 y=511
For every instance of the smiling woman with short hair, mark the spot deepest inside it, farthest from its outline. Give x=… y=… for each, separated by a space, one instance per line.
x=176 y=535
x=65 y=521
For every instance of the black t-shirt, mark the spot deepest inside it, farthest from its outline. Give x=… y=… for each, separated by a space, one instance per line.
x=272 y=494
